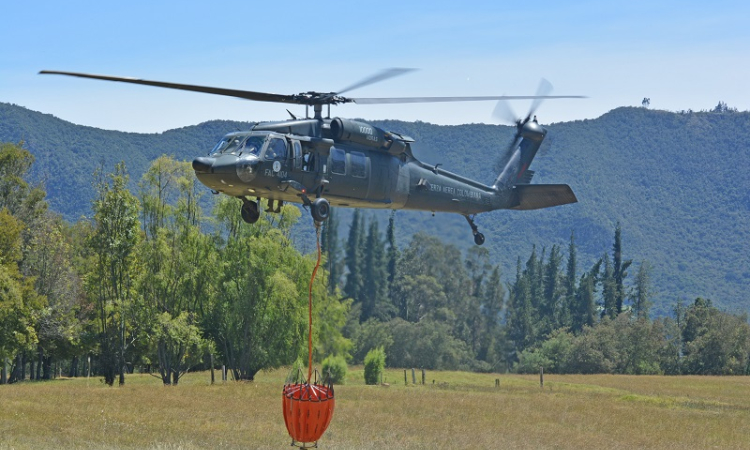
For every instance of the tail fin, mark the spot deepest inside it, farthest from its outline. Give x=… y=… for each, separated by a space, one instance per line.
x=520 y=155
x=537 y=196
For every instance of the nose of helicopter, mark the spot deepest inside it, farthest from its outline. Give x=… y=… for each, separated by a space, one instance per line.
x=202 y=164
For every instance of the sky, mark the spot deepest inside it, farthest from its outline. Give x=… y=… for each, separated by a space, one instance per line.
x=681 y=54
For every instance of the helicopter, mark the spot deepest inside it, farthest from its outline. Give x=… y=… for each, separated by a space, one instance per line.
x=322 y=162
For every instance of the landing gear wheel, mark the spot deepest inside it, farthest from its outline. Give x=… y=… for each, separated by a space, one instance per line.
x=320 y=209
x=478 y=237
x=250 y=212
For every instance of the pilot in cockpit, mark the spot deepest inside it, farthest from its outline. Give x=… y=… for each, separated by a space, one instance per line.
x=252 y=145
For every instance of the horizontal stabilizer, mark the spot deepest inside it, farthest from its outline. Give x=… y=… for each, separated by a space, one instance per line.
x=537 y=196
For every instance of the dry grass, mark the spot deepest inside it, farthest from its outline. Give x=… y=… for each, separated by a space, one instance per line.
x=460 y=410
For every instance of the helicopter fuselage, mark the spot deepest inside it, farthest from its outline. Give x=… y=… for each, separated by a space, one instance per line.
x=291 y=167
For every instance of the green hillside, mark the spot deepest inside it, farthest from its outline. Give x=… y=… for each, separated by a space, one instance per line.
x=67 y=154
x=677 y=182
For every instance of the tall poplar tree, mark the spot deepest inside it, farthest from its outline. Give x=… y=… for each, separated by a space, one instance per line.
x=375 y=277
x=584 y=309
x=491 y=308
x=116 y=235
x=551 y=311
x=619 y=271
x=609 y=289
x=533 y=277
x=570 y=283
x=641 y=296
x=392 y=254
x=354 y=258
x=330 y=245
x=520 y=316
x=174 y=258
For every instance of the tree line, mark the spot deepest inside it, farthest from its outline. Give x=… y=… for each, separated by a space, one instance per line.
x=151 y=282
x=662 y=154
x=431 y=306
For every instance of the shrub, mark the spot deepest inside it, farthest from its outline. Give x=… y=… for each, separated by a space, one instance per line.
x=529 y=361
x=428 y=345
x=374 y=365
x=336 y=365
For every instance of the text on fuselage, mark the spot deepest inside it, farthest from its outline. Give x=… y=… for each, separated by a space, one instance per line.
x=369 y=132
x=271 y=173
x=456 y=192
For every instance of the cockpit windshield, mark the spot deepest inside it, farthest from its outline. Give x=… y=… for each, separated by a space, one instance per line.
x=237 y=145
x=227 y=145
x=253 y=144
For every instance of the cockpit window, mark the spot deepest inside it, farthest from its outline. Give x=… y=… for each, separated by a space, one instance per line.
x=253 y=144
x=239 y=144
x=228 y=144
x=276 y=149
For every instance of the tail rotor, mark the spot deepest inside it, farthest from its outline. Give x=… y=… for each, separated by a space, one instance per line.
x=503 y=113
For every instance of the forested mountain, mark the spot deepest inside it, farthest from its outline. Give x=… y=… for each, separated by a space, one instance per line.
x=67 y=154
x=676 y=182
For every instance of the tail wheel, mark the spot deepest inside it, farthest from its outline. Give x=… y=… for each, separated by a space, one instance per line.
x=320 y=210
x=478 y=237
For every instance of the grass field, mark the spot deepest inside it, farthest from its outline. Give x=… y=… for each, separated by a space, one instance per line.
x=461 y=410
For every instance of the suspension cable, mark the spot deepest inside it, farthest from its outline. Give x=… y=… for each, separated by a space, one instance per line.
x=309 y=308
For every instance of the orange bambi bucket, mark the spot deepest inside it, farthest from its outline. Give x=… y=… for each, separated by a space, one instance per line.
x=308 y=409
x=307 y=404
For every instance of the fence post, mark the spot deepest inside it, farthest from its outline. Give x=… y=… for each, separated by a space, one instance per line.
x=223 y=373
x=405 y=379
x=541 y=376
x=413 y=376
x=212 y=368
x=423 y=375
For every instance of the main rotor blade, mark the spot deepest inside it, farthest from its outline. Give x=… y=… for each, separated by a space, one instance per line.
x=247 y=95
x=309 y=98
x=504 y=113
x=375 y=101
x=380 y=76
x=544 y=89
